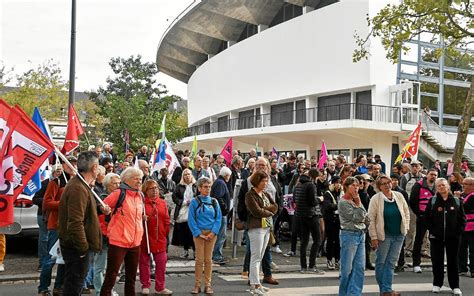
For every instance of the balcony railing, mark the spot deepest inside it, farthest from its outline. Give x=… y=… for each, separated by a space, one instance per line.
x=348 y=111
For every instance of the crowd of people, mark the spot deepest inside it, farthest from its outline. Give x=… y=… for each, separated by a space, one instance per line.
x=350 y=208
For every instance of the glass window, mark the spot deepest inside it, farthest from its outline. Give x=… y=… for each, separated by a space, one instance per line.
x=431 y=102
x=334 y=107
x=429 y=72
x=454 y=98
x=457 y=76
x=223 y=123
x=246 y=119
x=362 y=151
x=429 y=54
x=300 y=111
x=465 y=60
x=409 y=69
x=427 y=87
x=364 y=105
x=412 y=54
x=282 y=114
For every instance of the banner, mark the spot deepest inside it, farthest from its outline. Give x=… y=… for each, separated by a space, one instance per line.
x=74 y=130
x=165 y=157
x=411 y=148
x=126 y=139
x=227 y=152
x=24 y=150
x=323 y=156
x=194 y=151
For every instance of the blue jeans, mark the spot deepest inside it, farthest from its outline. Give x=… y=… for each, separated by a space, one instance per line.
x=386 y=257
x=352 y=262
x=217 y=252
x=100 y=261
x=90 y=272
x=42 y=240
x=47 y=267
x=266 y=261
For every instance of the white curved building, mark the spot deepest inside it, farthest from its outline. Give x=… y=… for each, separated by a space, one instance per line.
x=280 y=73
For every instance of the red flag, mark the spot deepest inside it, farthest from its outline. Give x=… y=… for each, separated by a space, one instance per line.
x=411 y=148
x=4 y=113
x=227 y=152
x=24 y=151
x=323 y=156
x=74 y=130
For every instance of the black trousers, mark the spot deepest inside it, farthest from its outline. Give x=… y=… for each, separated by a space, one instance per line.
x=437 y=258
x=309 y=225
x=368 y=248
x=333 y=247
x=466 y=247
x=75 y=271
x=418 y=243
x=295 y=231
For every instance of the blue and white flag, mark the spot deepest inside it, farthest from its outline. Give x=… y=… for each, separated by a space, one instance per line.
x=43 y=173
x=165 y=157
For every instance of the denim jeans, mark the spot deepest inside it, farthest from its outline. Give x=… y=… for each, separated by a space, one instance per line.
x=42 y=239
x=217 y=252
x=386 y=257
x=90 y=272
x=100 y=261
x=47 y=267
x=266 y=261
x=352 y=262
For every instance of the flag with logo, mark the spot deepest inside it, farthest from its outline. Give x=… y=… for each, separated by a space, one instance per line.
x=323 y=156
x=126 y=139
x=411 y=148
x=194 y=151
x=165 y=158
x=43 y=173
x=24 y=149
x=227 y=152
x=74 y=130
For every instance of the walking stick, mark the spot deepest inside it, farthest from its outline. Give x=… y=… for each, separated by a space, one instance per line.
x=146 y=227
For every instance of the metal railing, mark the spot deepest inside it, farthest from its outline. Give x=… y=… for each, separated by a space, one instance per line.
x=349 y=111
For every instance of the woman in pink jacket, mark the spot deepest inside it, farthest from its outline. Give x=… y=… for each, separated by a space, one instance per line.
x=125 y=231
x=158 y=223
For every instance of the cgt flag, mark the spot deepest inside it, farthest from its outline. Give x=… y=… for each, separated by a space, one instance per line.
x=411 y=148
x=323 y=156
x=25 y=149
x=74 y=130
x=227 y=152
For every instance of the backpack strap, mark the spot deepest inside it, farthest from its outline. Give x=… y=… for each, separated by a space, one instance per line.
x=201 y=204
x=120 y=200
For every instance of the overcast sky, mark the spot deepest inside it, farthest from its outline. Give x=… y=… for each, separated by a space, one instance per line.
x=36 y=30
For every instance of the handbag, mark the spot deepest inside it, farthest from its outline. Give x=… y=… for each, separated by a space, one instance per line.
x=183 y=214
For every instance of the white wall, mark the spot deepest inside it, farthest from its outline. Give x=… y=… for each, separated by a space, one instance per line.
x=311 y=54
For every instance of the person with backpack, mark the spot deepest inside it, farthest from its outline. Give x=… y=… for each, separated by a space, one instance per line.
x=204 y=220
x=420 y=195
x=125 y=231
x=445 y=219
x=158 y=223
x=220 y=192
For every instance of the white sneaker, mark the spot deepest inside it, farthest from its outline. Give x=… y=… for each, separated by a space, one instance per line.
x=2 y=267
x=330 y=265
x=457 y=291
x=277 y=249
x=256 y=291
x=145 y=291
x=264 y=289
x=114 y=293
x=417 y=269
x=436 y=289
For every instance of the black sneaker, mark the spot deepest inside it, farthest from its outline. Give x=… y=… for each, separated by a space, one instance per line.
x=399 y=268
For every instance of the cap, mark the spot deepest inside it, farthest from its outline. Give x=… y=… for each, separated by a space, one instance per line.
x=366 y=177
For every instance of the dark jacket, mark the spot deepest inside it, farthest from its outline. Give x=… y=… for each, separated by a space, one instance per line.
x=220 y=192
x=445 y=219
x=177 y=174
x=415 y=195
x=329 y=206
x=288 y=171
x=78 y=223
x=256 y=210
x=39 y=195
x=178 y=197
x=305 y=197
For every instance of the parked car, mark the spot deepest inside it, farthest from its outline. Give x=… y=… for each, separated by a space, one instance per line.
x=25 y=213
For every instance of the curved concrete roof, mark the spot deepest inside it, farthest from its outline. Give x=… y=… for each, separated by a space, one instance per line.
x=199 y=31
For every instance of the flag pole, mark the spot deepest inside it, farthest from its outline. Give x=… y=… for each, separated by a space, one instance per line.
x=79 y=175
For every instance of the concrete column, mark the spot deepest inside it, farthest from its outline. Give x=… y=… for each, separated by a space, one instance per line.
x=307 y=9
x=262 y=28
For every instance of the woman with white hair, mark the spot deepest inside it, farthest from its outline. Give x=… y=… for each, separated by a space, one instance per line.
x=124 y=231
x=220 y=192
x=184 y=193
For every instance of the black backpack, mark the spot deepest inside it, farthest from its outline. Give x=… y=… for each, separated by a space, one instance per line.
x=118 y=205
x=201 y=205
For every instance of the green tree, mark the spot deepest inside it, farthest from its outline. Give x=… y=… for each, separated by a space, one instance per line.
x=450 y=20
x=133 y=100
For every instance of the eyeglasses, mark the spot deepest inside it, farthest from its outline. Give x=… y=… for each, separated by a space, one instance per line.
x=385 y=183
x=153 y=188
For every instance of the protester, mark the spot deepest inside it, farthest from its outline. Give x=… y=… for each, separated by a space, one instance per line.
x=111 y=182
x=166 y=185
x=220 y=192
x=455 y=184
x=51 y=201
x=158 y=223
x=260 y=210
x=445 y=220
x=331 y=221
x=185 y=191
x=78 y=223
x=389 y=221
x=249 y=168
x=206 y=167
x=467 y=242
x=353 y=219
x=124 y=231
x=420 y=196
x=307 y=205
x=143 y=154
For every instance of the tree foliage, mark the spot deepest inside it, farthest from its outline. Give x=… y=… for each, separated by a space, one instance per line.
x=133 y=100
x=448 y=21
